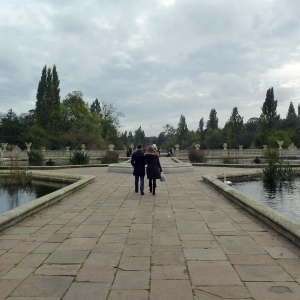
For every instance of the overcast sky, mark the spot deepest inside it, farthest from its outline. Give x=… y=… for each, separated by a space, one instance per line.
x=154 y=59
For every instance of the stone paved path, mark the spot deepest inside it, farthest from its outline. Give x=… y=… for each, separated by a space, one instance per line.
x=107 y=242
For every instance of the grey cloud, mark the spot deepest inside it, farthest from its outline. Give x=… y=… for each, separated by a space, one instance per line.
x=184 y=58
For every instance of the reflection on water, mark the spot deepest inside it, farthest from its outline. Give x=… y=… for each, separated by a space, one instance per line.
x=12 y=196
x=283 y=196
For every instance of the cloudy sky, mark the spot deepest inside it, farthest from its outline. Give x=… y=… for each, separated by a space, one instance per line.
x=154 y=59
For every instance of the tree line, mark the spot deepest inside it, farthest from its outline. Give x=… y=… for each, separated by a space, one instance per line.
x=55 y=124
x=266 y=129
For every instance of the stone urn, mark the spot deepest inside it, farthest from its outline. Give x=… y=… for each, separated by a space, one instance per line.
x=28 y=146
x=265 y=147
x=197 y=146
x=4 y=145
x=280 y=143
x=67 y=149
x=82 y=147
x=131 y=146
x=177 y=147
x=43 y=149
x=111 y=147
x=240 y=147
x=225 y=146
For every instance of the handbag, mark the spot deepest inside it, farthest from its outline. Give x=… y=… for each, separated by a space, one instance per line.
x=162 y=177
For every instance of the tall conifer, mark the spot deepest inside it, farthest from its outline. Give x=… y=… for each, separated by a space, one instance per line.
x=41 y=91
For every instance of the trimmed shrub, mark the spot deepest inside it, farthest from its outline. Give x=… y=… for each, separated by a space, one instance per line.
x=35 y=156
x=110 y=157
x=196 y=156
x=79 y=158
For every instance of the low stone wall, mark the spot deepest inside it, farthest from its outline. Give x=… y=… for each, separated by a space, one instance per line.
x=60 y=154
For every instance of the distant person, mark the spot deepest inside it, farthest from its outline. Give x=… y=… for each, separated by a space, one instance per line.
x=171 y=151
x=50 y=162
x=158 y=151
x=153 y=168
x=256 y=160
x=130 y=152
x=138 y=163
x=127 y=153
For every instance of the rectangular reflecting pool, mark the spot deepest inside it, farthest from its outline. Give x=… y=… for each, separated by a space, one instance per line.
x=12 y=196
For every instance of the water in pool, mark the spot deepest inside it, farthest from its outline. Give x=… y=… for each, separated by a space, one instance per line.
x=283 y=196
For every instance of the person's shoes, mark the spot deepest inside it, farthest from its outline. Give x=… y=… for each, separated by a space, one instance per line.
x=142 y=193
x=150 y=190
x=153 y=192
x=136 y=191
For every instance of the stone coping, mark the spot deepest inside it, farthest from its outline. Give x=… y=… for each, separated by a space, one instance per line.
x=17 y=214
x=272 y=217
x=248 y=166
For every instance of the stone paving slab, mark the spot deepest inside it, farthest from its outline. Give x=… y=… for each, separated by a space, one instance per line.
x=108 y=242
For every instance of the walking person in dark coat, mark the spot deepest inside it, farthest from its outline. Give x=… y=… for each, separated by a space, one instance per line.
x=153 y=168
x=138 y=163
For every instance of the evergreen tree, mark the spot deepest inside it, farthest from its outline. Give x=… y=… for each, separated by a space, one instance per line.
x=95 y=107
x=291 y=112
x=182 y=130
x=291 y=118
x=201 y=132
x=48 y=100
x=161 y=139
x=298 y=110
x=11 y=129
x=139 y=136
x=233 y=128
x=213 y=120
x=55 y=99
x=130 y=138
x=269 y=115
x=40 y=109
x=268 y=119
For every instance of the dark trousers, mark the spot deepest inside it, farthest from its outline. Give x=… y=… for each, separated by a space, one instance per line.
x=136 y=183
x=152 y=184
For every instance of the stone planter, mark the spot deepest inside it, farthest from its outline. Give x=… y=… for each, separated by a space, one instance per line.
x=280 y=143
x=4 y=145
x=111 y=147
x=197 y=146
x=28 y=146
x=225 y=146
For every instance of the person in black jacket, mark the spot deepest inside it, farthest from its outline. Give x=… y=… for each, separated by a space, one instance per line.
x=138 y=163
x=153 y=168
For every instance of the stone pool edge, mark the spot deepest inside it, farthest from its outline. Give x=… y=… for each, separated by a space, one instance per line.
x=19 y=213
x=275 y=219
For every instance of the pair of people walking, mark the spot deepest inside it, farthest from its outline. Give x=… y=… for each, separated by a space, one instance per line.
x=138 y=161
